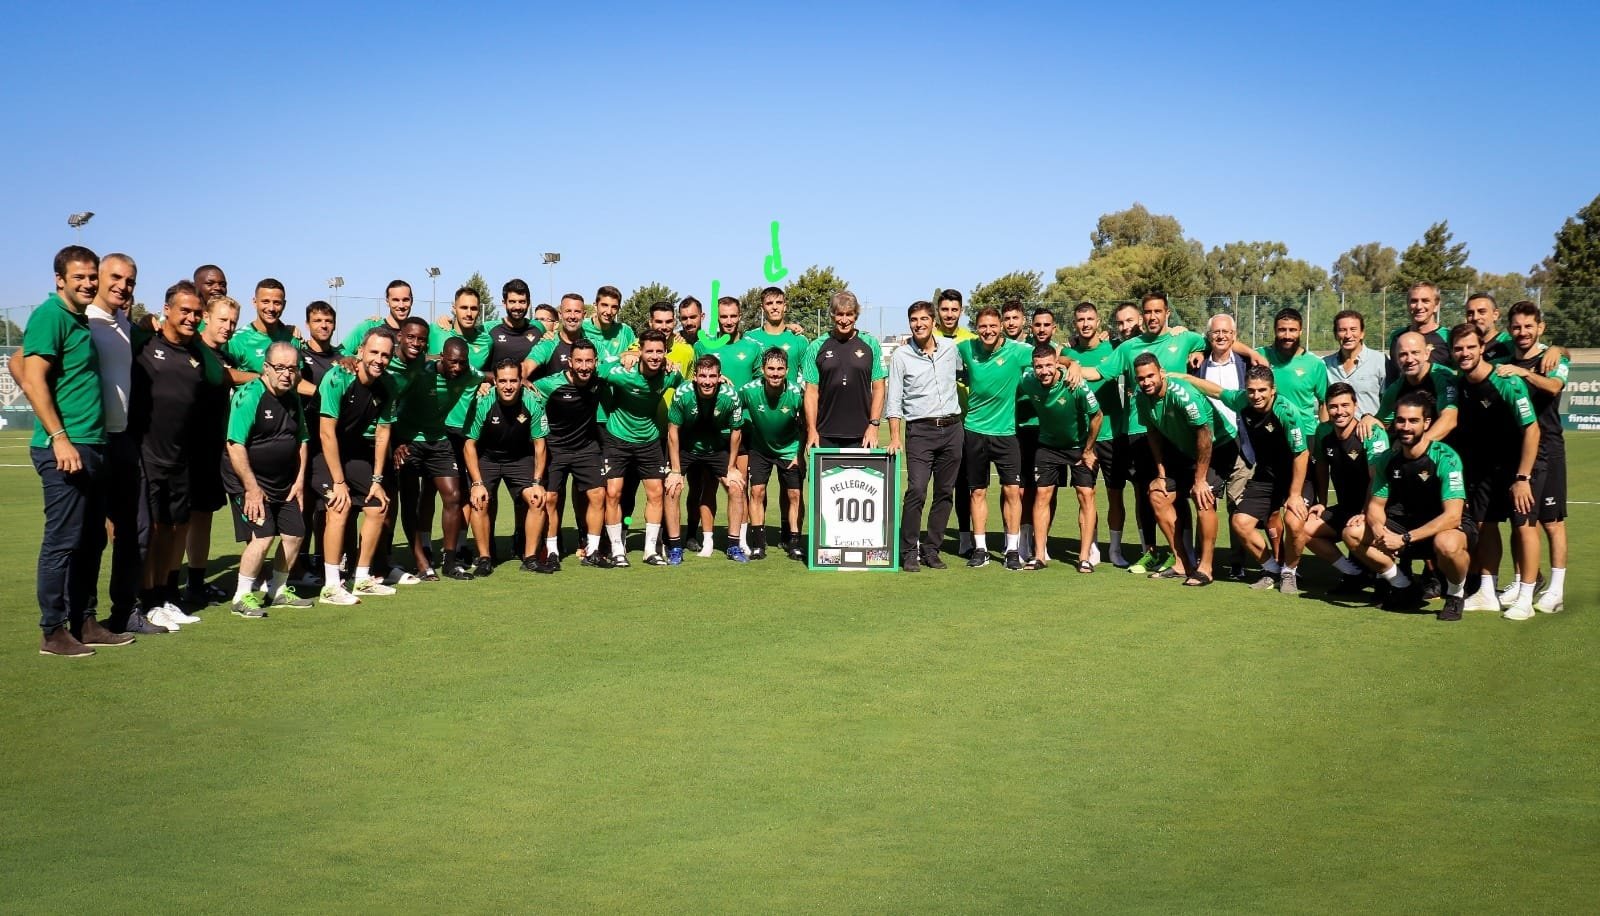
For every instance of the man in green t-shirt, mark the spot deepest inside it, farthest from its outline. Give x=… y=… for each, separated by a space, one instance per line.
x=1116 y=452
x=704 y=431
x=1069 y=424
x=775 y=330
x=465 y=325
x=248 y=345
x=398 y=298
x=774 y=426
x=59 y=372
x=995 y=367
x=633 y=442
x=605 y=329
x=1194 y=452
x=427 y=461
x=1302 y=378
x=264 y=474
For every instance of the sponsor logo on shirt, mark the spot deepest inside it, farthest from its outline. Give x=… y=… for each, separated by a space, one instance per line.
x=1423 y=474
x=159 y=353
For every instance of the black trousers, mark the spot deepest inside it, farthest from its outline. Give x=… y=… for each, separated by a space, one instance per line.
x=931 y=452
x=130 y=519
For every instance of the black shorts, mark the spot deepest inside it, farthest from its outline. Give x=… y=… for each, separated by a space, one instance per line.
x=1423 y=549
x=206 y=493
x=762 y=465
x=282 y=517
x=1550 y=489
x=1141 y=462
x=1489 y=496
x=1337 y=517
x=167 y=491
x=432 y=459
x=647 y=460
x=712 y=464
x=1114 y=464
x=517 y=475
x=585 y=467
x=356 y=474
x=1180 y=467
x=979 y=451
x=1262 y=498
x=1054 y=467
x=1027 y=452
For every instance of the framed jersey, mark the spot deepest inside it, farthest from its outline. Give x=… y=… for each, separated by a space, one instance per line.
x=854 y=513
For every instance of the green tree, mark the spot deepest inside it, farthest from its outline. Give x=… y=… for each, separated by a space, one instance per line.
x=1432 y=259
x=10 y=332
x=1366 y=268
x=1177 y=271
x=1134 y=226
x=1104 y=279
x=808 y=296
x=490 y=314
x=1025 y=286
x=636 y=308
x=750 y=308
x=1573 y=311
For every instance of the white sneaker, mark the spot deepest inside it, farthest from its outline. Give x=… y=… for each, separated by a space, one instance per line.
x=1521 y=610
x=707 y=551
x=367 y=588
x=161 y=617
x=1094 y=555
x=1508 y=595
x=1548 y=603
x=398 y=576
x=177 y=613
x=1482 y=600
x=337 y=594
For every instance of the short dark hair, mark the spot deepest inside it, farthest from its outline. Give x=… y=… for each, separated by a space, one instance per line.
x=466 y=291
x=1418 y=398
x=608 y=292
x=453 y=343
x=728 y=300
x=774 y=291
x=546 y=307
x=566 y=296
x=381 y=330
x=652 y=336
x=1146 y=359
x=1086 y=306
x=1130 y=305
x=1350 y=313
x=508 y=363
x=921 y=305
x=1149 y=297
x=74 y=254
x=662 y=306
x=1487 y=296
x=269 y=283
x=777 y=353
x=414 y=320
x=1527 y=307
x=1462 y=330
x=1289 y=312
x=950 y=295
x=320 y=307
x=1339 y=390
x=515 y=285
x=205 y=267
x=984 y=311
x=1261 y=374
x=394 y=285
x=1044 y=350
x=1041 y=310
x=687 y=301
x=583 y=343
x=178 y=289
x=708 y=361
x=1011 y=305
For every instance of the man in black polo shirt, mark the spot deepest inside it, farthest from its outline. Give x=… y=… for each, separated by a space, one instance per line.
x=172 y=374
x=206 y=495
x=264 y=474
x=551 y=355
x=506 y=443
x=1345 y=457
x=844 y=381
x=571 y=399
x=318 y=354
x=514 y=337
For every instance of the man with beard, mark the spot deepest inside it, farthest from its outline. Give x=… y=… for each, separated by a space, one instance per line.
x=513 y=338
x=1115 y=450
x=550 y=355
x=774 y=410
x=506 y=444
x=691 y=317
x=571 y=400
x=704 y=429
x=633 y=443
x=1345 y=458
x=428 y=463
x=1418 y=372
x=264 y=475
x=995 y=367
x=466 y=325
x=318 y=355
x=398 y=297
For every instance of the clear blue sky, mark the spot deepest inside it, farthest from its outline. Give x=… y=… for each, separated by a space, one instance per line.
x=910 y=147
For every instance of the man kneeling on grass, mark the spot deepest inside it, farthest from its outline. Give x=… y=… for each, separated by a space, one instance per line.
x=263 y=473
x=1418 y=493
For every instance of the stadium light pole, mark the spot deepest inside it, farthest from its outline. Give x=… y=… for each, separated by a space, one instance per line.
x=79 y=220
x=551 y=259
x=433 y=299
x=334 y=283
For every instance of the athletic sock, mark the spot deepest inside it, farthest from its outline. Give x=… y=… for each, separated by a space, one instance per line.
x=1558 y=580
x=1348 y=566
x=1271 y=567
x=1013 y=539
x=247 y=584
x=150 y=598
x=708 y=543
x=330 y=575
x=1395 y=577
x=652 y=537
x=172 y=584
x=279 y=580
x=1525 y=591
x=552 y=545
x=1458 y=589
x=744 y=537
x=591 y=543
x=1114 y=552
x=980 y=542
x=758 y=537
x=363 y=572
x=675 y=543
x=197 y=577
x=1486 y=583
x=619 y=544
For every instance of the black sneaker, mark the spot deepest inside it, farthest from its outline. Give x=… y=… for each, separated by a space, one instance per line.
x=1430 y=589
x=930 y=559
x=483 y=567
x=428 y=575
x=910 y=563
x=596 y=560
x=453 y=570
x=550 y=566
x=1349 y=585
x=531 y=564
x=1013 y=560
x=691 y=543
x=978 y=558
x=758 y=553
x=1404 y=599
x=1452 y=608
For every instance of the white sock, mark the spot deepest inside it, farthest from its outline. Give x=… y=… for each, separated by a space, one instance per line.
x=744 y=536
x=1395 y=577
x=708 y=543
x=279 y=580
x=1524 y=592
x=652 y=537
x=552 y=545
x=591 y=543
x=246 y=585
x=1271 y=567
x=1458 y=589
x=980 y=541
x=619 y=544
x=330 y=575
x=1558 y=580
x=1012 y=540
x=1516 y=583
x=1348 y=566
x=1486 y=583
x=363 y=572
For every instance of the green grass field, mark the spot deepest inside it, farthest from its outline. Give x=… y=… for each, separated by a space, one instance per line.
x=768 y=739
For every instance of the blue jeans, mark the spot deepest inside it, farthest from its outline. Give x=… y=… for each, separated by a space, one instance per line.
x=74 y=536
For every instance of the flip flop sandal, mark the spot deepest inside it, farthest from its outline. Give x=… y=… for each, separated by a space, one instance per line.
x=1084 y=566
x=1167 y=574
x=1198 y=580
x=1035 y=563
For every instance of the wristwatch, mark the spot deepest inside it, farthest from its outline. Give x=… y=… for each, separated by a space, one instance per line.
x=377 y=478
x=1406 y=539
x=1523 y=478
x=875 y=422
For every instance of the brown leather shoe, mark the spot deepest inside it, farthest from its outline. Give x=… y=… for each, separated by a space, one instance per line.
x=62 y=643
x=94 y=634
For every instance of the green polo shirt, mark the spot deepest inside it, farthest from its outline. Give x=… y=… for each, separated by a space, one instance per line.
x=701 y=432
x=741 y=359
x=478 y=344
x=1064 y=413
x=1107 y=391
x=992 y=380
x=352 y=341
x=1302 y=378
x=248 y=346
x=635 y=415
x=428 y=402
x=610 y=344
x=1172 y=351
x=62 y=336
x=789 y=342
x=775 y=424
x=1179 y=414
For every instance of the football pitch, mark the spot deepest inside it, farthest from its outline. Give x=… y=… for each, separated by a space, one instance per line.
x=763 y=738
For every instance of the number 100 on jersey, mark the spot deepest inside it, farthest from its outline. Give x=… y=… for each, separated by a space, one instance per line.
x=854 y=510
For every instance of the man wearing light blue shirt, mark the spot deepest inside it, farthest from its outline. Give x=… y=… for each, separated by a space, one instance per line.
x=925 y=425
x=1366 y=370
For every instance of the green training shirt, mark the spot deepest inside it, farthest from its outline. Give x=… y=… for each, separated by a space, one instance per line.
x=62 y=336
x=1107 y=391
x=992 y=380
x=774 y=421
x=1172 y=352
x=478 y=344
x=1302 y=378
x=705 y=424
x=1179 y=414
x=427 y=404
x=792 y=344
x=612 y=344
x=741 y=359
x=248 y=346
x=1064 y=412
x=1439 y=382
x=634 y=412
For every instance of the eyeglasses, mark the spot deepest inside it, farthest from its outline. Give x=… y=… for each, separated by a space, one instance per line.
x=277 y=368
